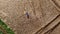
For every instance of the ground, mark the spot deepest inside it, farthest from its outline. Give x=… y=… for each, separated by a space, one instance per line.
x=43 y=14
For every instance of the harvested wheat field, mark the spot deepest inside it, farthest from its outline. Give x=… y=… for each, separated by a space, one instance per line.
x=30 y=16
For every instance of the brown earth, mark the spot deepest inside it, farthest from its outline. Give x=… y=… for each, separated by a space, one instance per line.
x=44 y=16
